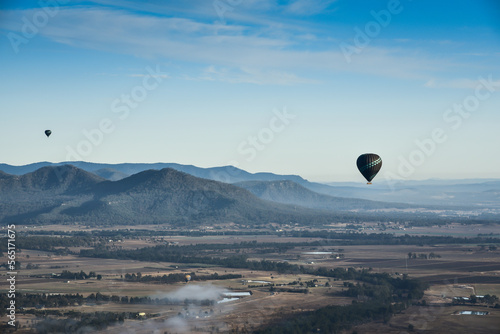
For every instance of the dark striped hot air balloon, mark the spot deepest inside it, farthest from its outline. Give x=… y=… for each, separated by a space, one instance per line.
x=369 y=165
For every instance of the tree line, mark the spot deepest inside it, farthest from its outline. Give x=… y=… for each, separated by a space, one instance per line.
x=178 y=277
x=39 y=301
x=51 y=243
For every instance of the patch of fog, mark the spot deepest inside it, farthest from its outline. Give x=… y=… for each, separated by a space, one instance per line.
x=225 y=300
x=174 y=325
x=183 y=323
x=317 y=253
x=194 y=292
x=177 y=324
x=237 y=294
x=190 y=317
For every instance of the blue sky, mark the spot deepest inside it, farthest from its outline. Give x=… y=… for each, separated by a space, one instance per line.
x=291 y=87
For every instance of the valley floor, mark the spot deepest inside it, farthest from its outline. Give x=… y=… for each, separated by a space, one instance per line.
x=455 y=270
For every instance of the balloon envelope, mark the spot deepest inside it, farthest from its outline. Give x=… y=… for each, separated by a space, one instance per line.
x=369 y=165
x=48 y=132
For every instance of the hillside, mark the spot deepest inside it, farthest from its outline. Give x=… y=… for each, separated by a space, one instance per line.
x=110 y=174
x=60 y=180
x=470 y=193
x=68 y=194
x=113 y=172
x=289 y=192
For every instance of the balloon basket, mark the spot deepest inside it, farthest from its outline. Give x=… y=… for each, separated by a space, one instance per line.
x=368 y=183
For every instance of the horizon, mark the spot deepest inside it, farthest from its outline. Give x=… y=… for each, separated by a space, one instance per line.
x=290 y=87
x=360 y=180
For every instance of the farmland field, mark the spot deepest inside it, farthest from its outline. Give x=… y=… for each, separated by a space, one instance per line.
x=457 y=270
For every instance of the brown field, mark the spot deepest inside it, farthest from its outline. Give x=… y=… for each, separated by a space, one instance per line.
x=437 y=319
x=461 y=270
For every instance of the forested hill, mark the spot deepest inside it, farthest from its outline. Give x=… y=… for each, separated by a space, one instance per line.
x=48 y=181
x=472 y=193
x=289 y=192
x=114 y=172
x=69 y=194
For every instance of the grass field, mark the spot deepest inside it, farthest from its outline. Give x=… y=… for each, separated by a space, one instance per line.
x=460 y=270
x=436 y=319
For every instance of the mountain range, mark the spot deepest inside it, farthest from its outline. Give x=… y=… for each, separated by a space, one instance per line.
x=289 y=192
x=114 y=172
x=470 y=193
x=58 y=194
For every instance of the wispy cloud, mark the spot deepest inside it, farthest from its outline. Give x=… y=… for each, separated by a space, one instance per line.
x=251 y=75
x=477 y=54
x=456 y=84
x=308 y=7
x=163 y=76
x=239 y=53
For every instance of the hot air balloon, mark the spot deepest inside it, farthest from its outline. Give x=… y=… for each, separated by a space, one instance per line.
x=188 y=278
x=48 y=133
x=369 y=165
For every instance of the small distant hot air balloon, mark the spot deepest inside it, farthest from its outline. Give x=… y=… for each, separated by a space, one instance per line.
x=188 y=278
x=48 y=133
x=369 y=165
